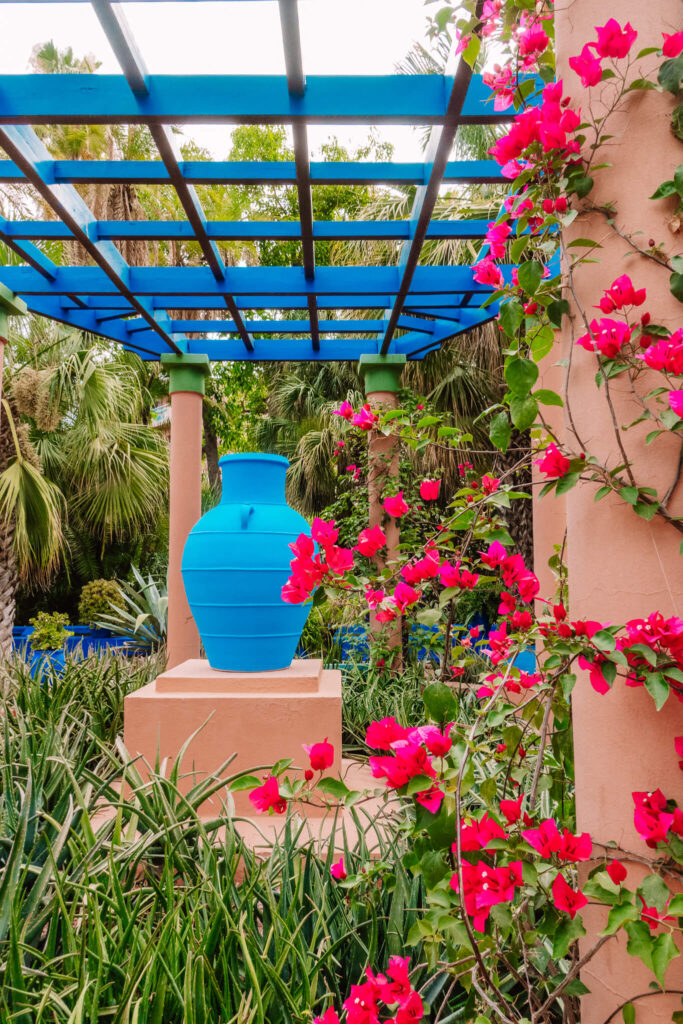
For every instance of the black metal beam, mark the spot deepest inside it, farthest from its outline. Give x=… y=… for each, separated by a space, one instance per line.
x=296 y=84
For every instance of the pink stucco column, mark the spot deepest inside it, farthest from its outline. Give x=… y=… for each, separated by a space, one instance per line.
x=382 y=375
x=621 y=567
x=187 y=377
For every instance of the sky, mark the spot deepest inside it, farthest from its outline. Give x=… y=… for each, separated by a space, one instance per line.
x=237 y=37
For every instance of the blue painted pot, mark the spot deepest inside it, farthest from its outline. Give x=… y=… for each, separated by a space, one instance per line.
x=47 y=663
x=235 y=563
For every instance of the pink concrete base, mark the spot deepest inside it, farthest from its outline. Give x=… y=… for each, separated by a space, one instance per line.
x=261 y=717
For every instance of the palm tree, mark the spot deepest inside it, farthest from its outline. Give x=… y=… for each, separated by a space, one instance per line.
x=71 y=441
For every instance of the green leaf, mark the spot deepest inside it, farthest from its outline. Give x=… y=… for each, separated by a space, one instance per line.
x=334 y=787
x=666 y=189
x=521 y=375
x=658 y=688
x=663 y=952
x=646 y=512
x=628 y=1012
x=675 y=907
x=440 y=703
x=655 y=892
x=581 y=184
x=619 y=915
x=601 y=493
x=629 y=494
x=529 y=276
x=585 y=243
x=670 y=74
x=566 y=483
x=676 y=286
x=639 y=941
x=542 y=343
x=604 y=641
x=566 y=933
x=546 y=397
x=556 y=310
x=471 y=51
x=500 y=430
x=511 y=317
x=523 y=411
x=518 y=247
x=429 y=616
x=433 y=868
x=245 y=782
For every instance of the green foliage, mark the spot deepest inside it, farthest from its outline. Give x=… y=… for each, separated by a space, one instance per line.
x=97 y=597
x=49 y=631
x=140 y=612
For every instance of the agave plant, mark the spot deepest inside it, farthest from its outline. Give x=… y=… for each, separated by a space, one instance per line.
x=143 y=618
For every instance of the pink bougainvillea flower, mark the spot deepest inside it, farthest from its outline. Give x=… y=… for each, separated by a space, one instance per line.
x=431 y=799
x=478 y=834
x=484 y=886
x=512 y=809
x=404 y=596
x=365 y=418
x=553 y=463
x=338 y=870
x=374 y=597
x=370 y=541
x=503 y=83
x=495 y=555
x=386 y=615
x=594 y=669
x=617 y=872
x=652 y=917
x=567 y=899
x=345 y=410
x=495 y=238
x=613 y=41
x=665 y=354
x=380 y=735
x=622 y=293
x=532 y=41
x=321 y=755
x=651 y=818
x=408 y=761
x=429 y=490
x=453 y=576
x=678 y=744
x=394 y=986
x=323 y=532
x=361 y=1005
x=587 y=67
x=267 y=796
x=411 y=1012
x=489 y=484
x=487 y=272
x=396 y=506
x=294 y=592
x=339 y=560
x=676 y=402
x=424 y=569
x=575 y=848
x=528 y=586
x=328 y=1017
x=673 y=44
x=607 y=336
x=437 y=743
x=546 y=839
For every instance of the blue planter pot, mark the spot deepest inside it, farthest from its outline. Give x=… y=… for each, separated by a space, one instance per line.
x=235 y=563
x=46 y=663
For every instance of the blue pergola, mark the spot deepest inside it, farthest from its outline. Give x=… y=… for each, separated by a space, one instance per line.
x=422 y=305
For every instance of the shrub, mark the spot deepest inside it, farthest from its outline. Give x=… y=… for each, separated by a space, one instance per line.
x=97 y=597
x=49 y=631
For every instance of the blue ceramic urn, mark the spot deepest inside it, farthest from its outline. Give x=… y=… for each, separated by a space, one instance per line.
x=235 y=563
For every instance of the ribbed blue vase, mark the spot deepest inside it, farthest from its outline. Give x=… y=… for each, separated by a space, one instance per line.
x=235 y=563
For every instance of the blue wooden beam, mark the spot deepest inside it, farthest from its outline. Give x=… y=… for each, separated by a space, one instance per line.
x=256 y=282
x=239 y=99
x=264 y=172
x=244 y=231
x=24 y=147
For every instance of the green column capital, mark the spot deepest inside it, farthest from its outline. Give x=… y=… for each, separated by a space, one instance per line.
x=187 y=372
x=10 y=305
x=381 y=373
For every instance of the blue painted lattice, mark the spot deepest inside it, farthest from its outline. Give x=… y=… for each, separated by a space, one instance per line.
x=422 y=305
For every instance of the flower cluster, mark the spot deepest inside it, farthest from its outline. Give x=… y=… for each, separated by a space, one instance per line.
x=392 y=989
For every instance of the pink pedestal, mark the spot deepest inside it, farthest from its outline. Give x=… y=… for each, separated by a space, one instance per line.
x=260 y=716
